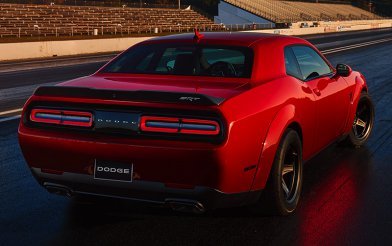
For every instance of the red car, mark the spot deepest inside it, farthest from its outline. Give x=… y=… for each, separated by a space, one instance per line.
x=196 y=122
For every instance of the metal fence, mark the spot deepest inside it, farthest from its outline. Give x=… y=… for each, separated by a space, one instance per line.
x=119 y=3
x=89 y=31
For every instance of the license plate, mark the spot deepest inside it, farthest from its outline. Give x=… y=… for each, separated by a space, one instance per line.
x=115 y=171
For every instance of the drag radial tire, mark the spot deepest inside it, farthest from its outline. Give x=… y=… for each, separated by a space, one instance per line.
x=284 y=185
x=363 y=121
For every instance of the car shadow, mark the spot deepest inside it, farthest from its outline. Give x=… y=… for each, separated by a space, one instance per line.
x=333 y=183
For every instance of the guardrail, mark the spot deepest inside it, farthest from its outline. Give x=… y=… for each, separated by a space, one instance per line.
x=104 y=3
x=84 y=31
x=80 y=31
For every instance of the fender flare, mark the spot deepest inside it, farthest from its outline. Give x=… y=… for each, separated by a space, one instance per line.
x=360 y=85
x=279 y=124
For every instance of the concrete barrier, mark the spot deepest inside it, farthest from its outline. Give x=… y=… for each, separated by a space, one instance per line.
x=45 y=49
x=328 y=27
x=293 y=31
x=385 y=25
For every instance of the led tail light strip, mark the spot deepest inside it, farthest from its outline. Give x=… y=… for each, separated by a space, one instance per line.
x=179 y=125
x=62 y=117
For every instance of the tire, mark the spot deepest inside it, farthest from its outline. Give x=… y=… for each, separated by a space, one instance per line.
x=363 y=122
x=283 y=190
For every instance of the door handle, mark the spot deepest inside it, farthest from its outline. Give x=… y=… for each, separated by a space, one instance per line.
x=317 y=92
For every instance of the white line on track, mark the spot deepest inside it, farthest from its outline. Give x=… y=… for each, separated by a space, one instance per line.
x=66 y=59
x=10 y=118
x=11 y=111
x=354 y=46
x=325 y=52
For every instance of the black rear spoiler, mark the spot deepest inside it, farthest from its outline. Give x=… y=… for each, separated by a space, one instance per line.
x=122 y=95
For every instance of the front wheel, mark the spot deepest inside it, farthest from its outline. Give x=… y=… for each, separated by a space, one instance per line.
x=363 y=121
x=284 y=185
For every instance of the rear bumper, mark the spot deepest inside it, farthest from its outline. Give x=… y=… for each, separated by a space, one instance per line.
x=190 y=163
x=197 y=199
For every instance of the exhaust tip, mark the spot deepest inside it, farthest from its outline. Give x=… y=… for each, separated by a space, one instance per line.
x=58 y=189
x=183 y=205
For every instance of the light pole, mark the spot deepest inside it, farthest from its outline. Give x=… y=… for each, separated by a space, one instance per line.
x=179 y=4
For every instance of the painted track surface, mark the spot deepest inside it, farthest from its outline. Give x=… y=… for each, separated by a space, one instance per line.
x=347 y=196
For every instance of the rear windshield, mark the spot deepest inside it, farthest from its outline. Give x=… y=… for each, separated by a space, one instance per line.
x=191 y=60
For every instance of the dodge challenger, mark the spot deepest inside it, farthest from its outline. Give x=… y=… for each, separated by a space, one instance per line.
x=196 y=122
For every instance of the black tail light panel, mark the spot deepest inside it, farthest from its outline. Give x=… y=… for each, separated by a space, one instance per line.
x=62 y=117
x=192 y=125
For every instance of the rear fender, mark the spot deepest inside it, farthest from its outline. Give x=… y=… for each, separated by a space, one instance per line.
x=281 y=121
x=359 y=86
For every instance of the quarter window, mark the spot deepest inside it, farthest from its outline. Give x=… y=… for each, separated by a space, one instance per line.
x=310 y=63
x=291 y=64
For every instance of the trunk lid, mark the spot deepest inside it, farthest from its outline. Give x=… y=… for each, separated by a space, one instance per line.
x=186 y=87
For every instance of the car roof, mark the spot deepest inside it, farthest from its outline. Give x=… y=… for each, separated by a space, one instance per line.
x=222 y=38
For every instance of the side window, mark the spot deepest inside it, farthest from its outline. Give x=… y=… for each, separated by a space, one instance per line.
x=290 y=61
x=310 y=62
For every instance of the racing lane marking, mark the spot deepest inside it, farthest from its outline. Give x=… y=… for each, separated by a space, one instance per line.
x=11 y=111
x=10 y=118
x=67 y=59
x=354 y=46
x=359 y=45
x=21 y=92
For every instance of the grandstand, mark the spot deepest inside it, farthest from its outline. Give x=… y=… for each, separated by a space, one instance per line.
x=18 y=20
x=277 y=11
x=50 y=20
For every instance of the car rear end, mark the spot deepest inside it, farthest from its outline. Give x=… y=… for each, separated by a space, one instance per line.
x=112 y=143
x=149 y=126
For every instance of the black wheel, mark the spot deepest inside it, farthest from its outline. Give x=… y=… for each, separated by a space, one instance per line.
x=363 y=121
x=284 y=185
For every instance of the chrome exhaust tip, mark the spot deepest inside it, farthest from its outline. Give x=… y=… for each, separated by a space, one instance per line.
x=184 y=205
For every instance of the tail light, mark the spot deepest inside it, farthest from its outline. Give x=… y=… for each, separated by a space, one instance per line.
x=62 y=117
x=179 y=125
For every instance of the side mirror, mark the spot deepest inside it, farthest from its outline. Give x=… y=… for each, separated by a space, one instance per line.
x=343 y=70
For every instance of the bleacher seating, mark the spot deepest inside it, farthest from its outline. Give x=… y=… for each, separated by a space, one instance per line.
x=285 y=11
x=18 y=20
